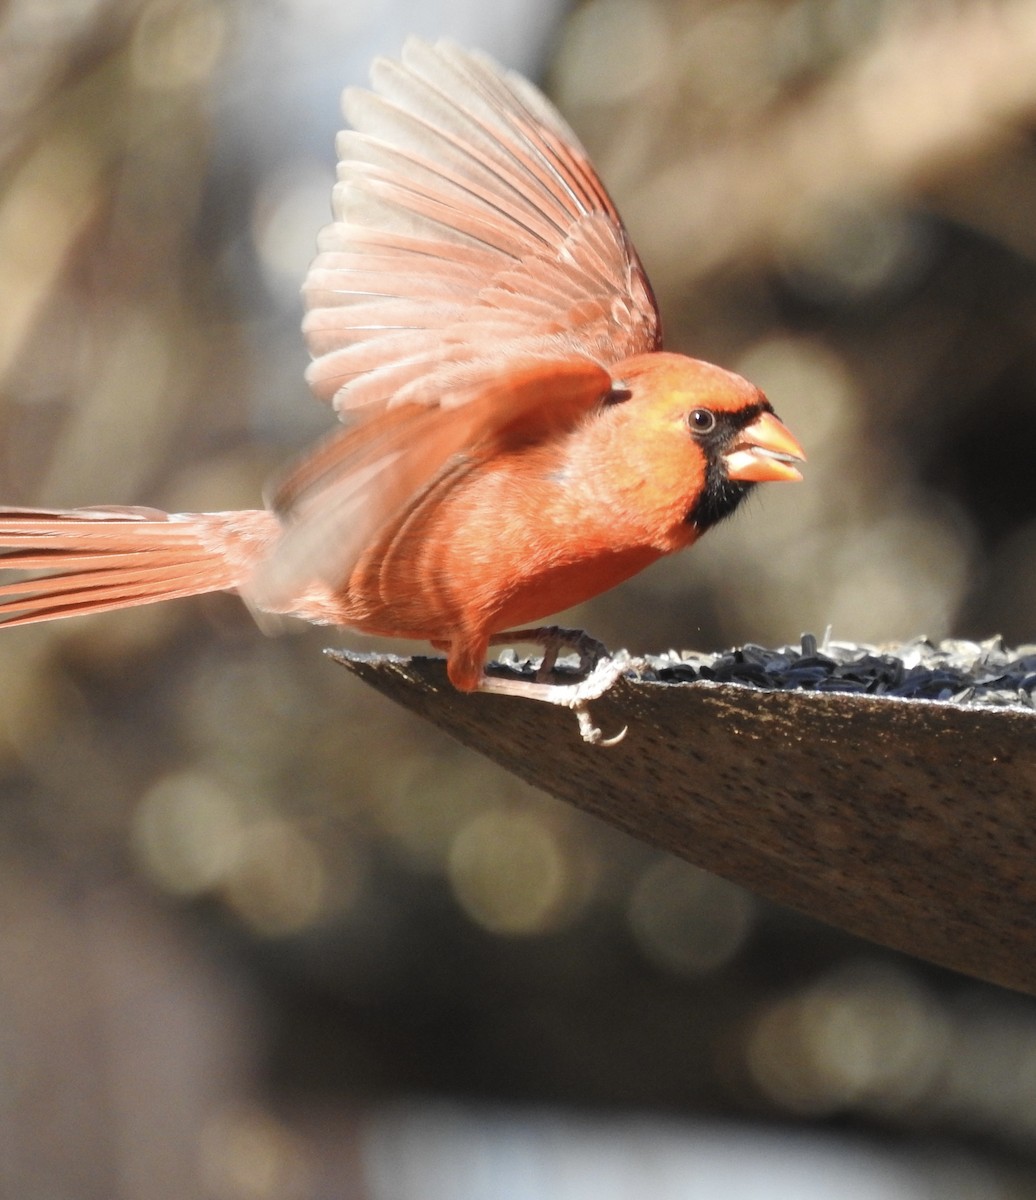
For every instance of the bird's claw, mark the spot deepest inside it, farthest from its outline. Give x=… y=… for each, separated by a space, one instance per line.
x=592 y=734
x=576 y=696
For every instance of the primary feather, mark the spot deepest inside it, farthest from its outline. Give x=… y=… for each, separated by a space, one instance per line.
x=470 y=228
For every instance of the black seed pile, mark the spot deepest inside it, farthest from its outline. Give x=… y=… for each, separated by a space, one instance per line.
x=984 y=673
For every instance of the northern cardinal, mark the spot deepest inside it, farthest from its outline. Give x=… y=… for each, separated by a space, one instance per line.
x=515 y=440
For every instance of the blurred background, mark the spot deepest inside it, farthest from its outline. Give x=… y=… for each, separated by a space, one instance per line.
x=263 y=937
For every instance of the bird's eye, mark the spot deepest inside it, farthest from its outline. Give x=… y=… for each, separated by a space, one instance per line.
x=701 y=420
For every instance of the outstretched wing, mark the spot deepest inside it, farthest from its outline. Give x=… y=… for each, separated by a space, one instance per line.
x=470 y=230
x=475 y=287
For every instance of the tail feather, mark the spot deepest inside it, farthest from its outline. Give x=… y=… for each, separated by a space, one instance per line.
x=92 y=560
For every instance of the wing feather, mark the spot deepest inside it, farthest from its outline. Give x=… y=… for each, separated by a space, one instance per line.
x=470 y=227
x=347 y=494
x=476 y=286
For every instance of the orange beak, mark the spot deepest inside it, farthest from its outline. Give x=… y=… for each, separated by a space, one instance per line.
x=764 y=451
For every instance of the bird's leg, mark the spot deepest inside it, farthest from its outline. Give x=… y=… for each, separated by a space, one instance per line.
x=600 y=670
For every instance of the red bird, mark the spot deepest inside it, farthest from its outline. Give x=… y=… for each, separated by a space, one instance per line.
x=515 y=440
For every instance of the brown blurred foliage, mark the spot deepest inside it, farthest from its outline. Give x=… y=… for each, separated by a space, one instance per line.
x=214 y=837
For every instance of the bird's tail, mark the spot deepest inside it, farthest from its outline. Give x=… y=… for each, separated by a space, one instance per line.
x=83 y=560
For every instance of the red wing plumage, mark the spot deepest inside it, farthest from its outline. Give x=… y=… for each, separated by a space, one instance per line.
x=340 y=496
x=476 y=263
x=470 y=229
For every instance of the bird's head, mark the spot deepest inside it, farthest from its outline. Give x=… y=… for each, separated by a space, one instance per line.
x=701 y=436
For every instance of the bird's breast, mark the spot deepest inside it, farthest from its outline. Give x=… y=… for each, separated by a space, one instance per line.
x=506 y=543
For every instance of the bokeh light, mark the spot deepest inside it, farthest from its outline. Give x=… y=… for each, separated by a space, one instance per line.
x=687 y=921
x=510 y=872
x=277 y=880
x=178 y=45
x=246 y=1154
x=188 y=832
x=866 y=1038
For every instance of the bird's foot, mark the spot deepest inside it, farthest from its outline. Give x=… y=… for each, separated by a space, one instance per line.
x=600 y=669
x=554 y=639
